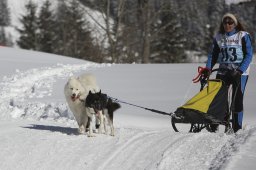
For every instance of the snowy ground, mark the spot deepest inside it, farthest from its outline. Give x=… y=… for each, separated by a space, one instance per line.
x=39 y=132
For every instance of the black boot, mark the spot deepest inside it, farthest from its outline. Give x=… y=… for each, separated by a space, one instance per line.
x=213 y=127
x=236 y=125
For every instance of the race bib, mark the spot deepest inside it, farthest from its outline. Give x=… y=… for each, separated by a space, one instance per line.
x=230 y=48
x=230 y=54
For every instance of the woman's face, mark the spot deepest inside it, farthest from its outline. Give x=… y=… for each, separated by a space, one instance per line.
x=228 y=24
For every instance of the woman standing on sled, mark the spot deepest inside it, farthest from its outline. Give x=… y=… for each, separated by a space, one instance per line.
x=232 y=49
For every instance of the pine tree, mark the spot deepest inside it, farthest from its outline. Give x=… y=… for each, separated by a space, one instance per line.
x=2 y=36
x=169 y=45
x=4 y=21
x=46 y=24
x=4 y=13
x=74 y=37
x=5 y=39
x=80 y=36
x=29 y=33
x=60 y=45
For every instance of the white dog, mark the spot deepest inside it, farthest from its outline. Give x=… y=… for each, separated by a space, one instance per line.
x=76 y=91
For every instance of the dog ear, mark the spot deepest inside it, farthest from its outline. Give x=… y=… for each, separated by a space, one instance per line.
x=90 y=92
x=100 y=91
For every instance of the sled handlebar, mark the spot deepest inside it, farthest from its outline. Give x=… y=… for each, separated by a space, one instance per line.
x=203 y=70
x=204 y=74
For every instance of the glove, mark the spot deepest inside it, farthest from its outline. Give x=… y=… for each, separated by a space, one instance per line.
x=236 y=73
x=205 y=72
x=235 y=76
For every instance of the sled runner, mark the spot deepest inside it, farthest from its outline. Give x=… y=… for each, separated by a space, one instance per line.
x=208 y=109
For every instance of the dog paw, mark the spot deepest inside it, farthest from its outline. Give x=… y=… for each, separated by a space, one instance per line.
x=80 y=131
x=91 y=135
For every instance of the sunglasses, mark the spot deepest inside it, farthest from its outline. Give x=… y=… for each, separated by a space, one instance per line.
x=228 y=22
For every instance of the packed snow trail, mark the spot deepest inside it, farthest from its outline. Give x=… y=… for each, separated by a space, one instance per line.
x=36 y=134
x=44 y=145
x=130 y=153
x=205 y=150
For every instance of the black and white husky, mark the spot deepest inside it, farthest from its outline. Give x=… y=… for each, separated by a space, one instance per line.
x=100 y=102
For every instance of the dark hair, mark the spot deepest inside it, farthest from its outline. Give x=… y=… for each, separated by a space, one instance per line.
x=239 y=27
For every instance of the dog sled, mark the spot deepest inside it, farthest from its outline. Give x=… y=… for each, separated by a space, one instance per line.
x=211 y=107
x=208 y=109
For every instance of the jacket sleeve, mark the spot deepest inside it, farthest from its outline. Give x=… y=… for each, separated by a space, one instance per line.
x=213 y=55
x=248 y=53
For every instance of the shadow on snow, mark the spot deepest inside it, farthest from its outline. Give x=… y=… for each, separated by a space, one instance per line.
x=64 y=130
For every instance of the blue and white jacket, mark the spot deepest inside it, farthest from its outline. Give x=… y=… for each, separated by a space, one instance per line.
x=232 y=50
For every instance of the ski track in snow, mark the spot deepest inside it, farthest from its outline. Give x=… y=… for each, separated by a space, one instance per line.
x=204 y=150
x=230 y=148
x=135 y=152
x=129 y=149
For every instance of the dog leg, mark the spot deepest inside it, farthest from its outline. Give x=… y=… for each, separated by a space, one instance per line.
x=97 y=123
x=112 y=128
x=81 y=129
x=106 y=120
x=101 y=117
x=105 y=124
x=110 y=116
x=90 y=132
x=89 y=116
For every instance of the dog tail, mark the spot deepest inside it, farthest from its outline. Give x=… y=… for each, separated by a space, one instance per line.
x=113 y=105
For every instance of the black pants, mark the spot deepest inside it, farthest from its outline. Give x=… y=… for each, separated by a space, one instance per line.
x=237 y=94
x=238 y=83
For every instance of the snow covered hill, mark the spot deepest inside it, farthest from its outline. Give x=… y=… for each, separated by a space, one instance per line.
x=38 y=130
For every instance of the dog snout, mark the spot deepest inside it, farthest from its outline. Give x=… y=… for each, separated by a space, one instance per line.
x=98 y=106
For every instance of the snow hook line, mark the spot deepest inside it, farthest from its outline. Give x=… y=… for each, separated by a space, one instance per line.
x=152 y=110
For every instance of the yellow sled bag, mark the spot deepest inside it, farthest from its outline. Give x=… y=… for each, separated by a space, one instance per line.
x=208 y=106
